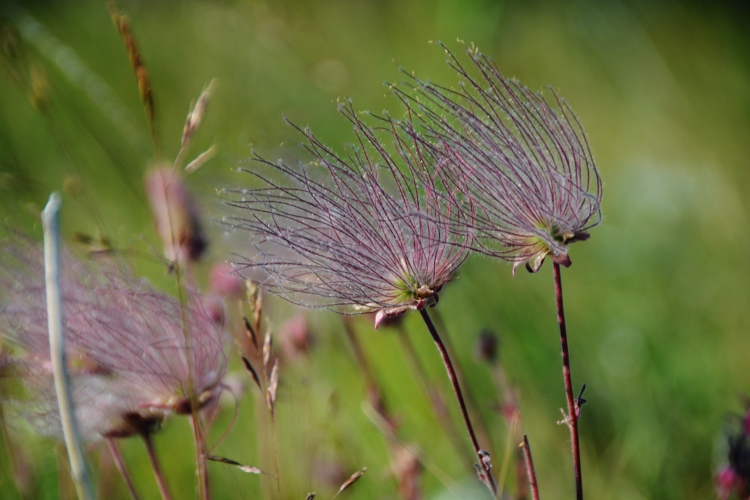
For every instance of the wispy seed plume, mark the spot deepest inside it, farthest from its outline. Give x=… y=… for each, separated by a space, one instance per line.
x=353 y=232
x=521 y=159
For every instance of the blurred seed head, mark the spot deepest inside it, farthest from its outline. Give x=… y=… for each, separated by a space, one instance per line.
x=520 y=159
x=224 y=282
x=134 y=354
x=295 y=337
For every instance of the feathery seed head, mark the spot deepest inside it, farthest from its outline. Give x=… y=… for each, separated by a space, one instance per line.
x=134 y=354
x=357 y=232
x=520 y=159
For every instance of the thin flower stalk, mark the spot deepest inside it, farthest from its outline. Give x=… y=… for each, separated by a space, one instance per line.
x=524 y=171
x=120 y=464
x=530 y=470
x=472 y=404
x=154 y=461
x=484 y=468
x=571 y=419
x=363 y=232
x=434 y=397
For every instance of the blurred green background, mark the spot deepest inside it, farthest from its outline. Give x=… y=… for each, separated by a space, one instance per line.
x=657 y=299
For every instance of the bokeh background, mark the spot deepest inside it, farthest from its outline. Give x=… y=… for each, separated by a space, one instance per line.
x=657 y=299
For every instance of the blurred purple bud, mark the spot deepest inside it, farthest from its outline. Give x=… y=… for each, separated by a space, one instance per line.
x=224 y=282
x=295 y=337
x=727 y=482
x=487 y=345
x=175 y=215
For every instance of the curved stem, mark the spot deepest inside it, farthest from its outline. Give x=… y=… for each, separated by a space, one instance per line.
x=438 y=404
x=484 y=465
x=120 y=464
x=56 y=329
x=530 y=468
x=471 y=402
x=160 y=481
x=572 y=417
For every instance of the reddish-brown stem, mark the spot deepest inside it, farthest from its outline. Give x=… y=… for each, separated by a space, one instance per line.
x=471 y=402
x=530 y=468
x=160 y=481
x=481 y=456
x=200 y=458
x=572 y=416
x=120 y=464
x=437 y=402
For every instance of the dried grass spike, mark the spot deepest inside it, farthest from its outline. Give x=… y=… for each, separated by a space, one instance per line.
x=249 y=368
x=352 y=479
x=273 y=385
x=122 y=23
x=267 y=345
x=249 y=469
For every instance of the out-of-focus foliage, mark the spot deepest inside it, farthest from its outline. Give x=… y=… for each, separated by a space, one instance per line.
x=657 y=299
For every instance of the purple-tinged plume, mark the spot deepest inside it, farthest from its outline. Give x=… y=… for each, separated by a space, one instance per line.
x=521 y=159
x=353 y=232
x=134 y=354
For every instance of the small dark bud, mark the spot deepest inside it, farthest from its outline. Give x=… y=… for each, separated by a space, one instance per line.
x=487 y=345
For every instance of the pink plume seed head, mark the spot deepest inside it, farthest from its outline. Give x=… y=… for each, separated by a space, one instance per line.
x=363 y=231
x=519 y=160
x=134 y=353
